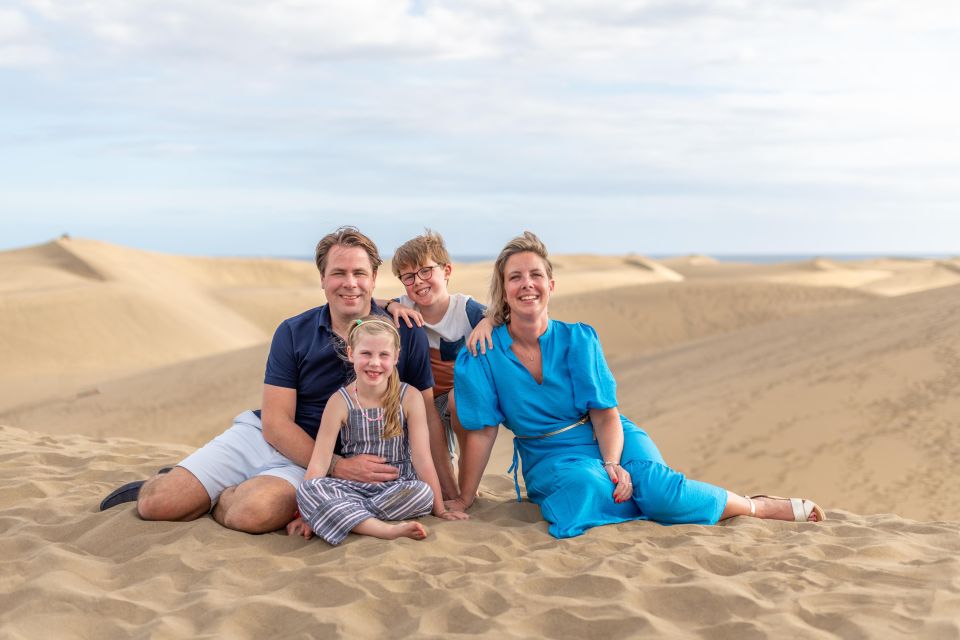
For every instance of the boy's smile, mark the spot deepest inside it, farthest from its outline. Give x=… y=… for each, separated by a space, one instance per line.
x=430 y=290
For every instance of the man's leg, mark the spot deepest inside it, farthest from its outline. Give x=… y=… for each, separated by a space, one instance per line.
x=176 y=496
x=259 y=505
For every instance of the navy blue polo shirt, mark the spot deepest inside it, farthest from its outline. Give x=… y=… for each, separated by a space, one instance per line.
x=308 y=356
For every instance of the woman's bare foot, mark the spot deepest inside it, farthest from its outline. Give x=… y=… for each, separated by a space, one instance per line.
x=778 y=509
x=391 y=530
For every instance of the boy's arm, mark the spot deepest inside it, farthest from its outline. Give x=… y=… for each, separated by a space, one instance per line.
x=413 y=407
x=483 y=334
x=396 y=309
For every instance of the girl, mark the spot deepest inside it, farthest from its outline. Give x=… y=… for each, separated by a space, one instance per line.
x=373 y=415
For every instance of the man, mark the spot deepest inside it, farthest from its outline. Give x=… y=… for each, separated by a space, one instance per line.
x=250 y=473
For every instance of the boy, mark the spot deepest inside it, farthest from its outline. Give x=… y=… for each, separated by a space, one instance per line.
x=423 y=266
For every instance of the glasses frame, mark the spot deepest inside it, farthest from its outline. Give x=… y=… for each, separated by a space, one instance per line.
x=424 y=273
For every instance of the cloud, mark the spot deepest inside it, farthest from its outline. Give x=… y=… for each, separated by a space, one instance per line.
x=20 y=46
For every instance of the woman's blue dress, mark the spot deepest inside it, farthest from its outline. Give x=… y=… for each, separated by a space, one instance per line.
x=564 y=473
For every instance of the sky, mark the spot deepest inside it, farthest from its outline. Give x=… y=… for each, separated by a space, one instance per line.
x=247 y=127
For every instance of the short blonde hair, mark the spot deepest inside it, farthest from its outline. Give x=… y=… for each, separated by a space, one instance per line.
x=499 y=310
x=417 y=251
x=346 y=237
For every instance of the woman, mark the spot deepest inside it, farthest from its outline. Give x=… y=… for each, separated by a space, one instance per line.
x=548 y=382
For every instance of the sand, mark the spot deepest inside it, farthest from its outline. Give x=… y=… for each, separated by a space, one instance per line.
x=835 y=381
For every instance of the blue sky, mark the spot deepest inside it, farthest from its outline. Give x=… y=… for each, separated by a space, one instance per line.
x=253 y=128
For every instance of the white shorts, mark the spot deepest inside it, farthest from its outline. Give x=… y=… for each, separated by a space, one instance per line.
x=238 y=454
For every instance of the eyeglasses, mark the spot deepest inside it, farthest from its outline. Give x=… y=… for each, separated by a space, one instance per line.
x=424 y=274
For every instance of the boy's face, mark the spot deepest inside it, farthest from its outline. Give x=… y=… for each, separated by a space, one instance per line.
x=426 y=283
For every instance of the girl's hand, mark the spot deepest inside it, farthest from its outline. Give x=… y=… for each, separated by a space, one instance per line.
x=299 y=527
x=409 y=316
x=452 y=515
x=623 y=483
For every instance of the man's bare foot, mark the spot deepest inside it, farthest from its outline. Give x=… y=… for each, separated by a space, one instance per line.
x=778 y=509
x=299 y=527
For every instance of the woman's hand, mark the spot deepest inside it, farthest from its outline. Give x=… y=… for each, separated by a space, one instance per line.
x=482 y=333
x=623 y=483
x=452 y=515
x=408 y=315
x=456 y=504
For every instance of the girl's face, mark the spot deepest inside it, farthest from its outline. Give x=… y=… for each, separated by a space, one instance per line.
x=526 y=285
x=374 y=358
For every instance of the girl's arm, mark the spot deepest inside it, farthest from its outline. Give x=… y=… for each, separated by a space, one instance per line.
x=334 y=415
x=473 y=460
x=420 y=453
x=609 y=432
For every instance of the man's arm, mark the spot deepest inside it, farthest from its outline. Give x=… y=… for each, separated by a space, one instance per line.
x=438 y=448
x=277 y=414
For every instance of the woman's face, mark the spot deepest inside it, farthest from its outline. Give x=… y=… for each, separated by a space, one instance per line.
x=526 y=285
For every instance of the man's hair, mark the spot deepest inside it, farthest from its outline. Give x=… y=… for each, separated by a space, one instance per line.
x=346 y=237
x=419 y=250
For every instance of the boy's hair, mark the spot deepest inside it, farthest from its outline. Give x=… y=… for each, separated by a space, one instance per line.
x=499 y=310
x=346 y=237
x=419 y=250
x=374 y=326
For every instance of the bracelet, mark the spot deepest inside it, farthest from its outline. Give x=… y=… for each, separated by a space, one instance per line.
x=610 y=463
x=334 y=459
x=386 y=306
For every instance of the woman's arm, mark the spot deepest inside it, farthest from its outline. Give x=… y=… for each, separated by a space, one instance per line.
x=473 y=460
x=334 y=415
x=609 y=432
x=419 y=435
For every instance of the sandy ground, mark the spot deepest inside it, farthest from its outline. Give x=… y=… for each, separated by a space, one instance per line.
x=835 y=381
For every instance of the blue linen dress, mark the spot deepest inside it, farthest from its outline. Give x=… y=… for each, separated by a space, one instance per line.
x=564 y=473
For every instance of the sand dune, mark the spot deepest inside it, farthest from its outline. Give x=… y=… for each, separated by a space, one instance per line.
x=856 y=406
x=837 y=381
x=70 y=571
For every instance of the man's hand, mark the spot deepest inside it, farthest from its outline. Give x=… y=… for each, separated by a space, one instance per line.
x=365 y=468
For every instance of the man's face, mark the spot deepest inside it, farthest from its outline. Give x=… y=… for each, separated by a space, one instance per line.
x=348 y=281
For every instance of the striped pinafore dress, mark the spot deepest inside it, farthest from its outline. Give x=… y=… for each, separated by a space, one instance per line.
x=332 y=507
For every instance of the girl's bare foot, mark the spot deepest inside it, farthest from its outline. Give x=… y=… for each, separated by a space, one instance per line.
x=391 y=530
x=413 y=530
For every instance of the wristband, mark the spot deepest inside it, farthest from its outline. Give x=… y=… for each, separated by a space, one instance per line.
x=386 y=307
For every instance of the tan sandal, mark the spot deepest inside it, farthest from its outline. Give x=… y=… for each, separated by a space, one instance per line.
x=801 y=508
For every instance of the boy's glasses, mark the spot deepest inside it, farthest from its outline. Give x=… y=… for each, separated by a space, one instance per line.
x=424 y=273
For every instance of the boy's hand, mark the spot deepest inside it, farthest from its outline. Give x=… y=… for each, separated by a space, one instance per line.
x=482 y=333
x=409 y=316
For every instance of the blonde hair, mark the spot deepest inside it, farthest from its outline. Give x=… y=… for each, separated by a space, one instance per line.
x=373 y=326
x=416 y=251
x=499 y=310
x=346 y=237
